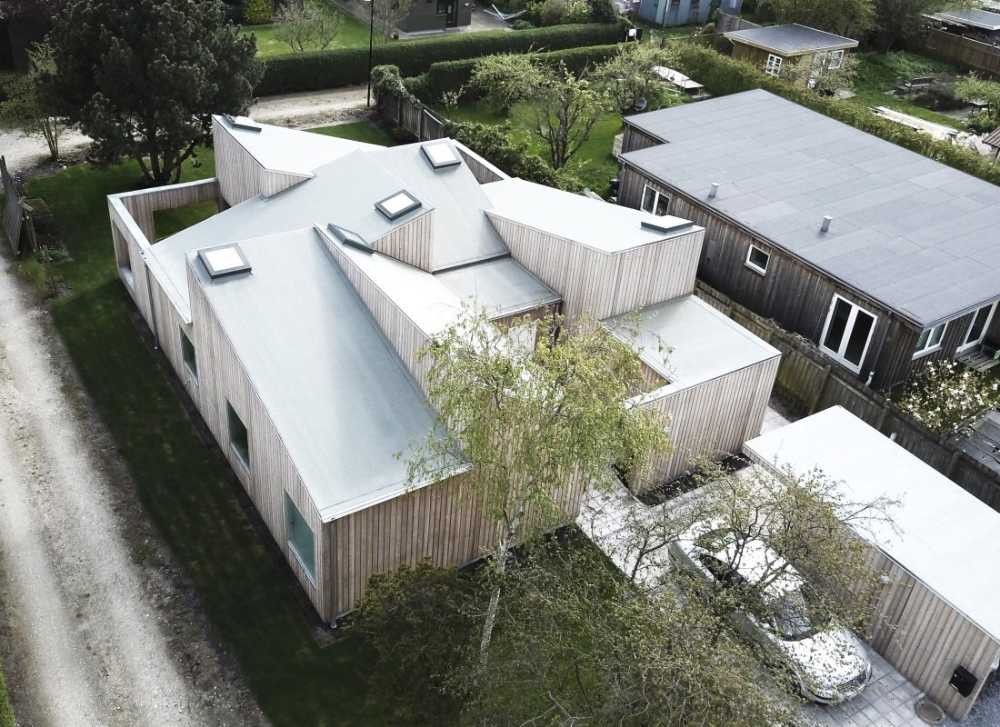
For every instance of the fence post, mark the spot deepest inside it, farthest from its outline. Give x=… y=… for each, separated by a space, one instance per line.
x=827 y=373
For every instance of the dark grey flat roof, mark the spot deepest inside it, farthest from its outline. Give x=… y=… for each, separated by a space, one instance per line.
x=916 y=235
x=982 y=19
x=337 y=391
x=792 y=39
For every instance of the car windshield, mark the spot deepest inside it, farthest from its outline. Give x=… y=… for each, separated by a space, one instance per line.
x=790 y=617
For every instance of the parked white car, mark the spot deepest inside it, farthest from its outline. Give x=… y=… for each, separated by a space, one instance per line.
x=828 y=661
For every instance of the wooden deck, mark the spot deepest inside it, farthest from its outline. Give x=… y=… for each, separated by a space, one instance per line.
x=981 y=358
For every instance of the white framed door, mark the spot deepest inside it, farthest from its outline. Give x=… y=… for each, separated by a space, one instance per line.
x=847 y=333
x=978 y=326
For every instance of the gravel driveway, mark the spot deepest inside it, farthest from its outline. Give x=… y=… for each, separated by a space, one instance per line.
x=98 y=625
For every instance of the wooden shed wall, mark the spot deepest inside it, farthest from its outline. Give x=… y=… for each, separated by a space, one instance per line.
x=599 y=283
x=794 y=294
x=634 y=139
x=925 y=638
x=241 y=176
x=712 y=418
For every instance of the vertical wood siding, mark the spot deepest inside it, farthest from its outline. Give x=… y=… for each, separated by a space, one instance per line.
x=412 y=242
x=241 y=176
x=604 y=284
x=634 y=139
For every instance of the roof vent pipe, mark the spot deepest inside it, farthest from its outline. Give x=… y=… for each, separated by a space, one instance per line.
x=825 y=227
x=715 y=190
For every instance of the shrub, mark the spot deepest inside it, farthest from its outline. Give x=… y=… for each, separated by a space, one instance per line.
x=259 y=12
x=603 y=11
x=343 y=66
x=944 y=395
x=521 y=24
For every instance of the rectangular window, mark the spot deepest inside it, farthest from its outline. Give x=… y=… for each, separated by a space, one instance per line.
x=773 y=65
x=836 y=60
x=757 y=259
x=300 y=539
x=238 y=438
x=930 y=340
x=187 y=350
x=847 y=333
x=978 y=327
x=655 y=202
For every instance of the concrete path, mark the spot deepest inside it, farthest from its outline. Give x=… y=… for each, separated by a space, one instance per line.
x=97 y=626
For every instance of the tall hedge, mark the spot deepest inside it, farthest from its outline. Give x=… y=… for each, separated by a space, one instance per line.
x=344 y=66
x=723 y=75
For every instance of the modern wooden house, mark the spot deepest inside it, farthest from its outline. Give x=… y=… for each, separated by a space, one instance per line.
x=792 y=50
x=297 y=315
x=938 y=618
x=882 y=257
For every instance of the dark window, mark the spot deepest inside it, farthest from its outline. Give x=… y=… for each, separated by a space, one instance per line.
x=757 y=259
x=838 y=324
x=978 y=327
x=655 y=202
x=300 y=538
x=187 y=349
x=858 y=341
x=238 y=435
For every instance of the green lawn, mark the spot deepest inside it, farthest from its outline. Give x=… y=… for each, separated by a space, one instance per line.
x=244 y=584
x=353 y=34
x=6 y=713
x=367 y=131
x=593 y=163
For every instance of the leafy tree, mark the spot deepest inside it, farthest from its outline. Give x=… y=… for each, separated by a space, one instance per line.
x=820 y=76
x=603 y=11
x=852 y=18
x=389 y=13
x=945 y=395
x=897 y=20
x=28 y=108
x=310 y=25
x=564 y=112
x=259 y=12
x=143 y=77
x=532 y=420
x=506 y=79
x=973 y=88
x=629 y=79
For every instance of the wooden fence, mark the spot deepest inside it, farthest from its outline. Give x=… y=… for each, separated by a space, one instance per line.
x=17 y=221
x=962 y=51
x=811 y=382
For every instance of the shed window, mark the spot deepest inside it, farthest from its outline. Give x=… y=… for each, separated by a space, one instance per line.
x=836 y=60
x=930 y=340
x=238 y=438
x=654 y=201
x=757 y=259
x=978 y=327
x=773 y=65
x=187 y=350
x=300 y=539
x=847 y=333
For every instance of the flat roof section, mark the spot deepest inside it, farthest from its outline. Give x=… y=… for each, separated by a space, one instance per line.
x=791 y=40
x=502 y=286
x=699 y=342
x=910 y=232
x=940 y=533
x=605 y=227
x=973 y=18
x=335 y=388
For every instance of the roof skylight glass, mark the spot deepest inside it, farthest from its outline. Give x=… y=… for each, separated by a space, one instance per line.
x=397 y=205
x=224 y=260
x=441 y=154
x=349 y=237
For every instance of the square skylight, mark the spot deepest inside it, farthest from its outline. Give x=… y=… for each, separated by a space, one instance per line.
x=349 y=237
x=397 y=205
x=225 y=260
x=242 y=122
x=441 y=154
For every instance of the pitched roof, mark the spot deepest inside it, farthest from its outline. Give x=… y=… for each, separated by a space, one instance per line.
x=910 y=232
x=791 y=40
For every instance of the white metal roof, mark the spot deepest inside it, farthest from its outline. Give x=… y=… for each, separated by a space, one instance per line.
x=941 y=534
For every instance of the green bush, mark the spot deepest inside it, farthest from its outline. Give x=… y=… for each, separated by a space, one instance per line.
x=451 y=75
x=344 y=66
x=259 y=12
x=723 y=75
x=6 y=713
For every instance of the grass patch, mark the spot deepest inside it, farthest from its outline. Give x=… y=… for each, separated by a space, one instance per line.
x=353 y=34
x=169 y=222
x=367 y=131
x=186 y=487
x=594 y=163
x=879 y=72
x=6 y=713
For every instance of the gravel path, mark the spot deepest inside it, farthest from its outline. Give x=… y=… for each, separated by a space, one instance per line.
x=99 y=627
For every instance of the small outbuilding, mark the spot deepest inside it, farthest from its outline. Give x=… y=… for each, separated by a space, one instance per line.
x=974 y=23
x=938 y=618
x=783 y=50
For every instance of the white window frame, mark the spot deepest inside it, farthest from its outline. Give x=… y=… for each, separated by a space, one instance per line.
x=836 y=60
x=773 y=65
x=657 y=196
x=848 y=330
x=757 y=268
x=966 y=345
x=926 y=349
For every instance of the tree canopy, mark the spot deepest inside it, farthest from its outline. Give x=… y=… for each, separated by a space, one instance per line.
x=851 y=18
x=143 y=77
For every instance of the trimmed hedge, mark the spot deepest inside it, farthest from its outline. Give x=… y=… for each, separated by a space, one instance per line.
x=6 y=713
x=722 y=75
x=451 y=75
x=318 y=70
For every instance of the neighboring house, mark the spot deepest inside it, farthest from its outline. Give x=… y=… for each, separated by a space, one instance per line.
x=428 y=15
x=684 y=12
x=884 y=258
x=791 y=50
x=296 y=320
x=974 y=23
x=938 y=618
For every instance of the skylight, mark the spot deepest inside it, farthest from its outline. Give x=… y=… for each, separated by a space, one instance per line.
x=666 y=226
x=440 y=154
x=397 y=205
x=243 y=122
x=225 y=260
x=349 y=237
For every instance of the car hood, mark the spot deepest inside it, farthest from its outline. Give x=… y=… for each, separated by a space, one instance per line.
x=828 y=659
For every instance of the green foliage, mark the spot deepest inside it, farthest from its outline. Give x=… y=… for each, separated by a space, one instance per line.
x=900 y=20
x=389 y=13
x=630 y=81
x=6 y=713
x=317 y=70
x=722 y=75
x=852 y=18
x=521 y=24
x=27 y=106
x=603 y=11
x=944 y=395
x=505 y=79
x=973 y=88
x=558 y=12
x=258 y=12
x=143 y=77
x=565 y=109
x=309 y=25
